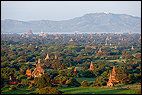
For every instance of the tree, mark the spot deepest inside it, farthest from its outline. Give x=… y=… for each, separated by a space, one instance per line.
x=49 y=90
x=84 y=83
x=43 y=81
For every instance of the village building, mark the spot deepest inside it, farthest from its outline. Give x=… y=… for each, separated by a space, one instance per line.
x=38 y=71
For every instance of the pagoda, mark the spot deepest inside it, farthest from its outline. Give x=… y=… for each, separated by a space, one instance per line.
x=100 y=51
x=71 y=40
x=132 y=48
x=106 y=43
x=28 y=73
x=140 y=38
x=42 y=33
x=38 y=71
x=107 y=38
x=91 y=66
x=112 y=78
x=115 y=47
x=47 y=56
x=55 y=56
x=91 y=35
x=75 y=71
x=110 y=82
x=57 y=36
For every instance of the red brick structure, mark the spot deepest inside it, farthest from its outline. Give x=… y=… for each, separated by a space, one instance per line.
x=107 y=38
x=38 y=71
x=28 y=73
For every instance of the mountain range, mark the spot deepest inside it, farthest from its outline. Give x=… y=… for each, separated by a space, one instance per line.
x=92 y=22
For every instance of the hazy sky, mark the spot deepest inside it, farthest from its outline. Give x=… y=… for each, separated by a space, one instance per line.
x=64 y=10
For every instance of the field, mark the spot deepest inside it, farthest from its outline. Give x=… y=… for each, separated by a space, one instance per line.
x=94 y=90
x=76 y=90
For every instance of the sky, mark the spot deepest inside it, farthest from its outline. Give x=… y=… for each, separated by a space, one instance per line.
x=64 y=10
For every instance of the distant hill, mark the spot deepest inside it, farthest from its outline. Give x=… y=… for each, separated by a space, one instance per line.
x=93 y=22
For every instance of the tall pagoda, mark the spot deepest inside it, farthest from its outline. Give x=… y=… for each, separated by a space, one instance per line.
x=38 y=71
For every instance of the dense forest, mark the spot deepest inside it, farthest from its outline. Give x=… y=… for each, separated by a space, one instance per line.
x=67 y=52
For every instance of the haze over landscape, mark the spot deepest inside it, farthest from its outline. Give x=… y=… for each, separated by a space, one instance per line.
x=71 y=16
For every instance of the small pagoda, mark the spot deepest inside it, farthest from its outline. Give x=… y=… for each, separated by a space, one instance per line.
x=106 y=43
x=71 y=40
x=57 y=36
x=132 y=48
x=47 y=57
x=100 y=51
x=91 y=66
x=28 y=73
x=55 y=56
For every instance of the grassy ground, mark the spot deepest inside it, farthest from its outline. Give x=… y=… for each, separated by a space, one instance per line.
x=87 y=79
x=94 y=90
x=17 y=91
x=77 y=90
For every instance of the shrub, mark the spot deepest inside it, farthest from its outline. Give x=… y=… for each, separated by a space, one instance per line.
x=12 y=87
x=73 y=82
x=84 y=84
x=49 y=90
x=19 y=85
x=6 y=86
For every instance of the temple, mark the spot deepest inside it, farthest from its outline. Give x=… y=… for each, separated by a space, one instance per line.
x=132 y=48
x=107 y=38
x=112 y=78
x=71 y=40
x=55 y=56
x=57 y=36
x=115 y=47
x=28 y=73
x=106 y=43
x=75 y=71
x=47 y=56
x=91 y=66
x=100 y=51
x=38 y=71
x=42 y=33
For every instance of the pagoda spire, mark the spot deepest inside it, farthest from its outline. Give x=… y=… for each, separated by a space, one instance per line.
x=91 y=66
x=47 y=56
